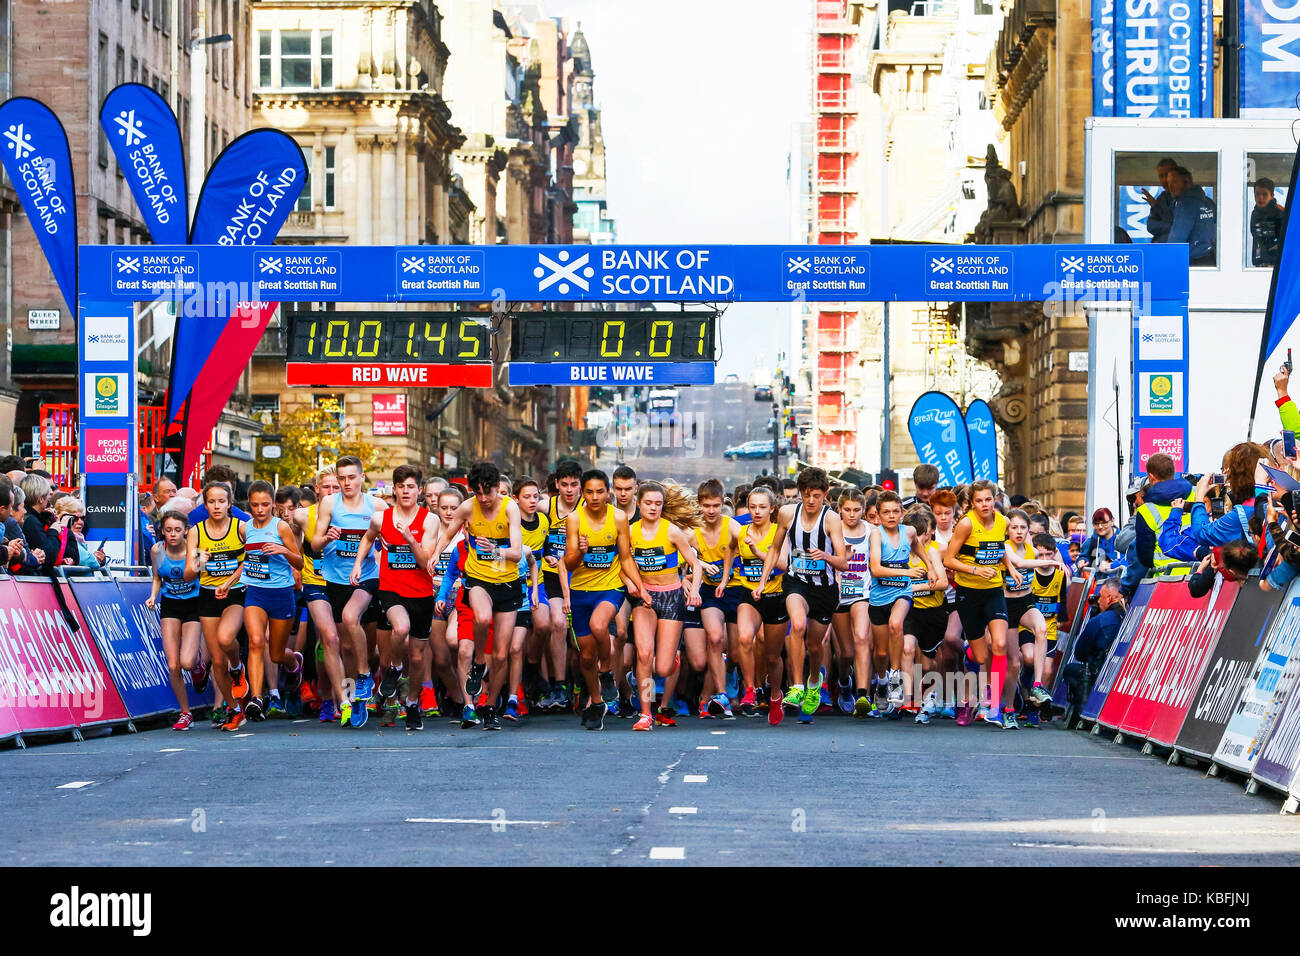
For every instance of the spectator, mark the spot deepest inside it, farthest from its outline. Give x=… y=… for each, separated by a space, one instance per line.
x=42 y=528
x=1288 y=554
x=164 y=489
x=925 y=478
x=17 y=558
x=1091 y=649
x=1098 y=549
x=189 y=494
x=72 y=515
x=1162 y=488
x=1194 y=218
x=16 y=475
x=1239 y=522
x=1266 y=220
x=1232 y=562
x=1161 y=215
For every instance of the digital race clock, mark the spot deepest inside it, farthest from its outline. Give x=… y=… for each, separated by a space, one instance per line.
x=389 y=348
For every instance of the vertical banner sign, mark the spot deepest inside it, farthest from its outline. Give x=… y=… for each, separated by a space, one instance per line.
x=1123 y=640
x=983 y=439
x=1160 y=380
x=1269 y=64
x=1283 y=295
x=939 y=434
x=1266 y=691
x=247 y=197
x=1163 y=59
x=1103 y=57
x=146 y=140
x=36 y=156
x=1219 y=694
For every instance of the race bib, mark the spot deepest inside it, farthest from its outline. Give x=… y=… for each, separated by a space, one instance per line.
x=600 y=556
x=801 y=563
x=555 y=543
x=751 y=569
x=894 y=582
x=401 y=557
x=851 y=585
x=222 y=564
x=440 y=566
x=1048 y=608
x=348 y=543
x=990 y=552
x=650 y=559
x=257 y=566
x=485 y=549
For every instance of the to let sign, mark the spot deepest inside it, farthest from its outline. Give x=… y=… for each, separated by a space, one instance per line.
x=389 y=415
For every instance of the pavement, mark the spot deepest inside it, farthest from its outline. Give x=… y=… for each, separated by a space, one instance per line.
x=708 y=792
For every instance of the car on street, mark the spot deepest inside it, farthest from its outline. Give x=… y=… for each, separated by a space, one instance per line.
x=754 y=449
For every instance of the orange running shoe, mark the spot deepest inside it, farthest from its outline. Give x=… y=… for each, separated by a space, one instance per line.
x=234 y=721
x=239 y=684
x=429 y=702
x=644 y=722
x=308 y=694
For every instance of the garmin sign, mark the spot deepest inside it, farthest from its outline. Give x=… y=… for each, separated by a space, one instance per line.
x=1163 y=58
x=1270 y=55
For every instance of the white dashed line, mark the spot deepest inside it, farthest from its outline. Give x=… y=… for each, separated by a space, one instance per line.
x=668 y=853
x=171 y=750
x=718 y=733
x=706 y=747
x=695 y=778
x=303 y=721
x=489 y=822
x=682 y=810
x=74 y=785
x=243 y=735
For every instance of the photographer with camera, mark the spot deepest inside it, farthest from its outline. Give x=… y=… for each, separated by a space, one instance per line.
x=1231 y=495
x=1091 y=649
x=1157 y=497
x=1286 y=541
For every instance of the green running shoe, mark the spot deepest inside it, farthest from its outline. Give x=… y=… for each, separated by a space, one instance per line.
x=812 y=699
x=794 y=697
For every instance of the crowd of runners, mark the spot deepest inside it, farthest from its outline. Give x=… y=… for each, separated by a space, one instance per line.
x=607 y=596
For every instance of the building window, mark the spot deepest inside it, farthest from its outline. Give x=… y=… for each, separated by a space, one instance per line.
x=166 y=17
x=1136 y=178
x=295 y=59
x=329 y=177
x=135 y=70
x=103 y=91
x=1268 y=179
x=304 y=197
x=264 y=59
x=327 y=59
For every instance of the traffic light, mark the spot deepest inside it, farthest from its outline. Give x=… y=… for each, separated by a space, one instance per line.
x=887 y=478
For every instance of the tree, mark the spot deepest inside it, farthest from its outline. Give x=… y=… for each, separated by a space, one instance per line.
x=311 y=436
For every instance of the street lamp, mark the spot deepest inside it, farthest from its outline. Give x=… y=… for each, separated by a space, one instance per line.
x=198 y=101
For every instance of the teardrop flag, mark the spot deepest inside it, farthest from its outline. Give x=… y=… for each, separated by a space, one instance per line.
x=142 y=130
x=939 y=435
x=983 y=440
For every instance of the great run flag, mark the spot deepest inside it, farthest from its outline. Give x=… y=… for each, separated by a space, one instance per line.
x=142 y=130
x=939 y=433
x=247 y=197
x=1269 y=64
x=983 y=440
x=1163 y=58
x=36 y=156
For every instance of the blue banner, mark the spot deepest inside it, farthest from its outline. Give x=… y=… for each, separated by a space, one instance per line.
x=247 y=197
x=1269 y=64
x=146 y=140
x=983 y=439
x=1163 y=59
x=939 y=434
x=135 y=592
x=1103 y=57
x=38 y=160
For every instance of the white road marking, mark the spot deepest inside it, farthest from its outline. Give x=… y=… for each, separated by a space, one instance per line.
x=243 y=735
x=74 y=785
x=668 y=853
x=303 y=721
x=706 y=747
x=695 y=778
x=488 y=822
x=718 y=733
x=682 y=810
x=1107 y=848
x=171 y=750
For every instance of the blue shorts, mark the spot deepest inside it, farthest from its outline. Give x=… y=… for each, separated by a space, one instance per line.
x=314 y=592
x=733 y=596
x=278 y=603
x=582 y=604
x=542 y=599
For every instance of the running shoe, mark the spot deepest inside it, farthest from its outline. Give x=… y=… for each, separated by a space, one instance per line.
x=704 y=711
x=626 y=709
x=983 y=712
x=546 y=703
x=562 y=702
x=632 y=684
x=490 y=719
x=608 y=689
x=895 y=687
x=1009 y=721
x=894 y=712
x=388 y=718
x=388 y=684
x=963 y=715
x=365 y=688
x=238 y=684
x=414 y=719
x=1030 y=719
x=922 y=717
x=308 y=694
x=253 y=709
x=327 y=713
x=199 y=677
x=613 y=707
x=931 y=705
x=824 y=702
x=1039 y=695
x=293 y=678
x=293 y=703
x=863 y=707
x=644 y=722
x=360 y=715
x=997 y=719
x=234 y=721
x=812 y=699
x=594 y=716
x=720 y=706
x=220 y=715
x=429 y=702
x=683 y=708
x=749 y=703
x=512 y=710
x=794 y=697
x=949 y=712
x=845 y=699
x=372 y=705
x=733 y=683
x=275 y=707
x=523 y=707
x=345 y=713
x=666 y=717
x=805 y=718
x=184 y=723
x=468 y=718
x=775 y=714
x=474 y=682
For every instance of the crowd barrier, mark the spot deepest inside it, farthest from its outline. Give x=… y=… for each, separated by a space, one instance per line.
x=1208 y=679
x=80 y=653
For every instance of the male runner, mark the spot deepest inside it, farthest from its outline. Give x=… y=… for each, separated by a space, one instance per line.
x=628 y=502
x=568 y=491
x=341 y=523
x=817 y=551
x=495 y=541
x=717 y=541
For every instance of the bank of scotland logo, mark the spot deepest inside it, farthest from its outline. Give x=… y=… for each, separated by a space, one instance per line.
x=800 y=264
x=941 y=264
x=19 y=141
x=1072 y=263
x=549 y=272
x=129 y=127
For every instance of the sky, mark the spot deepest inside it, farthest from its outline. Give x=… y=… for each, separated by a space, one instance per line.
x=698 y=99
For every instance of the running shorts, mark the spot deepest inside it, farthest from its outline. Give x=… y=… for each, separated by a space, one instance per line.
x=419 y=611
x=340 y=594
x=506 y=595
x=582 y=604
x=822 y=599
x=212 y=606
x=928 y=625
x=185 y=610
x=1016 y=608
x=668 y=604
x=977 y=607
x=314 y=592
x=732 y=597
x=278 y=603
x=880 y=613
x=771 y=607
